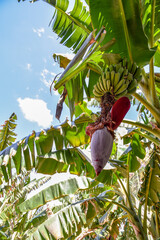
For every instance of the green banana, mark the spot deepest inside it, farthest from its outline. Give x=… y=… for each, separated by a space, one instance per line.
x=108 y=82
x=112 y=77
x=133 y=84
x=132 y=90
x=137 y=73
x=139 y=78
x=101 y=84
x=130 y=77
x=118 y=66
x=121 y=71
x=121 y=94
x=99 y=87
x=125 y=73
x=124 y=62
x=134 y=68
x=104 y=82
x=121 y=89
x=121 y=83
x=108 y=75
x=116 y=79
x=96 y=88
x=97 y=94
x=111 y=68
x=129 y=66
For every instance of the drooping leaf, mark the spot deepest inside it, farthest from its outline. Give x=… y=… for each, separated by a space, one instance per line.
x=56 y=191
x=77 y=162
x=63 y=161
x=67 y=221
x=122 y=22
x=72 y=27
x=17 y=194
x=24 y=153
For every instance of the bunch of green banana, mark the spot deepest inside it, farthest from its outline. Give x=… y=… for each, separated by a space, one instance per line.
x=133 y=69
x=118 y=80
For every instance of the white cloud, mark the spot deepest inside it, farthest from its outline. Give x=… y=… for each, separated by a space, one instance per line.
x=28 y=67
x=47 y=77
x=35 y=110
x=39 y=31
x=51 y=37
x=45 y=60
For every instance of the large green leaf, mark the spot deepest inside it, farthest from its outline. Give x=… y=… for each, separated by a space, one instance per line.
x=151 y=19
x=92 y=62
x=61 y=225
x=65 y=160
x=24 y=153
x=78 y=162
x=122 y=21
x=72 y=27
x=56 y=191
x=17 y=194
x=70 y=221
x=75 y=78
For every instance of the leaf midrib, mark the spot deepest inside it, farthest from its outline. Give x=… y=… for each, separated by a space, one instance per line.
x=126 y=30
x=72 y=19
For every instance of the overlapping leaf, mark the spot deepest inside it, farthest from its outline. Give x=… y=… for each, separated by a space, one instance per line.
x=67 y=221
x=70 y=220
x=134 y=150
x=122 y=22
x=72 y=27
x=77 y=162
x=78 y=81
x=17 y=195
x=23 y=153
x=56 y=191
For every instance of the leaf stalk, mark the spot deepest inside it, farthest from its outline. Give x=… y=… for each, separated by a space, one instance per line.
x=154 y=111
x=143 y=126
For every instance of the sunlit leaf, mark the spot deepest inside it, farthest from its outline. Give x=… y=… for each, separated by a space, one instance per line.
x=122 y=22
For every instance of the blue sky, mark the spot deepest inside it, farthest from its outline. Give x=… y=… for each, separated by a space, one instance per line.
x=27 y=68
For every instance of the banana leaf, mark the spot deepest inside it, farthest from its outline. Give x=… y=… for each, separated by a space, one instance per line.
x=7 y=135
x=150 y=186
x=122 y=21
x=133 y=152
x=70 y=220
x=55 y=191
x=151 y=19
x=24 y=152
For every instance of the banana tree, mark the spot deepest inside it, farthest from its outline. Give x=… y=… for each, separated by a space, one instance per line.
x=113 y=42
